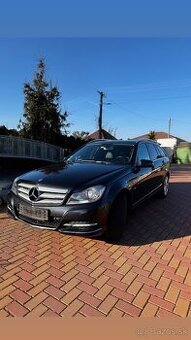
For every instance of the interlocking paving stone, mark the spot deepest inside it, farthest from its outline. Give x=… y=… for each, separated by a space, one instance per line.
x=146 y=273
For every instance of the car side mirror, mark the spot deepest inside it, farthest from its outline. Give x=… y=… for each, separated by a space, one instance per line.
x=146 y=163
x=143 y=163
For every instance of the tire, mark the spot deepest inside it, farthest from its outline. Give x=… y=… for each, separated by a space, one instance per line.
x=117 y=220
x=165 y=188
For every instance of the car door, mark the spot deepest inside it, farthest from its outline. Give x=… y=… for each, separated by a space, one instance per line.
x=157 y=173
x=164 y=162
x=141 y=181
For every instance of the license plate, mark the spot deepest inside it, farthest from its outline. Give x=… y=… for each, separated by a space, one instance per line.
x=34 y=213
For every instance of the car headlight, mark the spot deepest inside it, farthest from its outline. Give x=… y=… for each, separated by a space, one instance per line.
x=88 y=195
x=14 y=187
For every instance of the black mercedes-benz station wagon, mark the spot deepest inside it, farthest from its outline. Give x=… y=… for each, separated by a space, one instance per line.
x=90 y=192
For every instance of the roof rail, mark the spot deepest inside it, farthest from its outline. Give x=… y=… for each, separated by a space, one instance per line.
x=147 y=140
x=101 y=140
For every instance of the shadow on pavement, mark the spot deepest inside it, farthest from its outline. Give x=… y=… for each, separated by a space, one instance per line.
x=3 y=213
x=160 y=219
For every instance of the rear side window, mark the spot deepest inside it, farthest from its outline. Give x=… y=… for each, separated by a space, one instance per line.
x=142 y=153
x=160 y=151
x=152 y=151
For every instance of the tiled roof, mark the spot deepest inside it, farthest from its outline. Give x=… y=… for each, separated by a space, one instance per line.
x=105 y=135
x=160 y=135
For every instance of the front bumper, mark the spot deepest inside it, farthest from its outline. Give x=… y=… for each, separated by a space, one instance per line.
x=82 y=219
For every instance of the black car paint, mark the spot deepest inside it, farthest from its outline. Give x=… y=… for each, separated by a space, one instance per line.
x=137 y=181
x=72 y=175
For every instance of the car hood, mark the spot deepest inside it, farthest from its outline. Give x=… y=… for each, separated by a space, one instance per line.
x=71 y=175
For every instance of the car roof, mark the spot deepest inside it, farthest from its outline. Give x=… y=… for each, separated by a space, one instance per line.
x=111 y=141
x=120 y=141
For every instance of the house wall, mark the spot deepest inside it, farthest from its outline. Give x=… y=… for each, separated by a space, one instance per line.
x=167 y=142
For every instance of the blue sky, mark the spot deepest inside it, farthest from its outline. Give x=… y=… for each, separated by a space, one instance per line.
x=146 y=80
x=66 y=18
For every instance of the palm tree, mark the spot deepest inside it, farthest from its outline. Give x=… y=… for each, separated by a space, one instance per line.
x=152 y=135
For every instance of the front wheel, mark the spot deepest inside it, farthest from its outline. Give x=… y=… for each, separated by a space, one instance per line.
x=117 y=218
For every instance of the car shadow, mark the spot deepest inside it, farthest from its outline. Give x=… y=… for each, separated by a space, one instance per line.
x=3 y=210
x=160 y=219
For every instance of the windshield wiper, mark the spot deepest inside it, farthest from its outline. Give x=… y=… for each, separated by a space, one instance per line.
x=102 y=162
x=89 y=161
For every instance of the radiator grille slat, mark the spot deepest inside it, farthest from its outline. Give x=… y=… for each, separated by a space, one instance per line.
x=47 y=195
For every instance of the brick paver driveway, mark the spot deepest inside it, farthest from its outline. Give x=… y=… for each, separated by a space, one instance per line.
x=147 y=273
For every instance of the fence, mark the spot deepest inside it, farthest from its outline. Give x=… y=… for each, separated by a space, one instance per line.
x=26 y=148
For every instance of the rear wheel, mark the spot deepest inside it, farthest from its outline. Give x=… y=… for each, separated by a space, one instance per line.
x=117 y=220
x=165 y=187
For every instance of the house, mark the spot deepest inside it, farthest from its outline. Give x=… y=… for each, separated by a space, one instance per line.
x=162 y=136
x=105 y=135
x=168 y=142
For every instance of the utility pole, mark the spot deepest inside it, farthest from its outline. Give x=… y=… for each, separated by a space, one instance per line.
x=169 y=126
x=102 y=95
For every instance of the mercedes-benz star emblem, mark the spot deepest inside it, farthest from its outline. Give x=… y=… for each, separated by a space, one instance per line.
x=34 y=194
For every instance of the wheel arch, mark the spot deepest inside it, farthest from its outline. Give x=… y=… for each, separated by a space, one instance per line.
x=117 y=219
x=117 y=194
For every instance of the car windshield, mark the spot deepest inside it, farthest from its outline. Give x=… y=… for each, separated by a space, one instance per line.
x=104 y=153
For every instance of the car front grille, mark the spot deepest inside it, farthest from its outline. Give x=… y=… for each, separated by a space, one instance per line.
x=46 y=195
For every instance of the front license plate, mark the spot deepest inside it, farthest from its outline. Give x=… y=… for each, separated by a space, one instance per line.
x=34 y=213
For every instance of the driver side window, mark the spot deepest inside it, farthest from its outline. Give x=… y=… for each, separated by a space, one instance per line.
x=142 y=153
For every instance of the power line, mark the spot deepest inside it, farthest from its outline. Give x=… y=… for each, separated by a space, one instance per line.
x=150 y=86
x=156 y=99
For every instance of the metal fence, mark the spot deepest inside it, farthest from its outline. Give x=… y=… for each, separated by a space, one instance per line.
x=27 y=148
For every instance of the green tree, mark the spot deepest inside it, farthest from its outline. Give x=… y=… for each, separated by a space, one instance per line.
x=42 y=118
x=8 y=132
x=3 y=130
x=152 y=135
x=80 y=134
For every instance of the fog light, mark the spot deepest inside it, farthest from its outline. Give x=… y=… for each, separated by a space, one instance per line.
x=79 y=224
